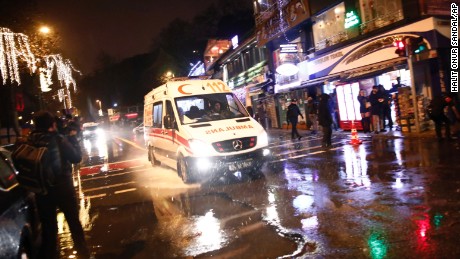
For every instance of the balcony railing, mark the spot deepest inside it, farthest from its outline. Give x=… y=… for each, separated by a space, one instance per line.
x=381 y=21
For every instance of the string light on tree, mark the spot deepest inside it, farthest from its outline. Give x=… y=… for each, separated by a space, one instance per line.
x=64 y=70
x=14 y=46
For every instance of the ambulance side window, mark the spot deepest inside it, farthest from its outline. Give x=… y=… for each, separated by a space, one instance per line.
x=157 y=114
x=170 y=116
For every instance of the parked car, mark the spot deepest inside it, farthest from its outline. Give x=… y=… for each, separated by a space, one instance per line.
x=20 y=227
x=139 y=129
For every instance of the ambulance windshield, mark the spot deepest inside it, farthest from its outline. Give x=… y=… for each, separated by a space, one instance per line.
x=209 y=107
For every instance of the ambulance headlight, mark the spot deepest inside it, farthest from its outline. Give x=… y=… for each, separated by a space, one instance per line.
x=200 y=147
x=263 y=139
x=203 y=164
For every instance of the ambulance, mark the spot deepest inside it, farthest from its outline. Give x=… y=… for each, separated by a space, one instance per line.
x=182 y=130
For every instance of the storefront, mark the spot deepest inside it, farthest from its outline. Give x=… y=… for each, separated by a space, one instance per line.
x=373 y=61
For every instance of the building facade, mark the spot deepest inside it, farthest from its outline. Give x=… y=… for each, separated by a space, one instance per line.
x=342 y=47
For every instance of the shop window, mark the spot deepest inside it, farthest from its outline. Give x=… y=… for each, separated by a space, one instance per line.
x=329 y=27
x=379 y=13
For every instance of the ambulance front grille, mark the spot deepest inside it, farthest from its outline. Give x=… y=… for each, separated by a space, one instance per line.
x=233 y=145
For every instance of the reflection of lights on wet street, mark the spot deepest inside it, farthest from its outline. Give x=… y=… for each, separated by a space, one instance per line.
x=210 y=236
x=302 y=203
x=378 y=245
x=271 y=212
x=311 y=222
x=397 y=149
x=398 y=184
x=423 y=227
x=356 y=165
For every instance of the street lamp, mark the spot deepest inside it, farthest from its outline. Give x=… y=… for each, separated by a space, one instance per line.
x=44 y=30
x=100 y=107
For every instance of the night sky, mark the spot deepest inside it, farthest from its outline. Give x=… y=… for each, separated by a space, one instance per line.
x=120 y=28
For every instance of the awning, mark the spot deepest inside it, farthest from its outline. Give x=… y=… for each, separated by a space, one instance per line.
x=373 y=69
x=358 y=73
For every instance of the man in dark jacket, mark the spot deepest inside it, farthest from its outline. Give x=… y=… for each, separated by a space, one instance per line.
x=293 y=113
x=376 y=99
x=325 y=120
x=61 y=194
x=438 y=116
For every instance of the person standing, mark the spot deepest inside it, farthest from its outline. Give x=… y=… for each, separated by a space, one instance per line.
x=376 y=100
x=325 y=120
x=61 y=194
x=262 y=115
x=312 y=108
x=386 y=109
x=438 y=104
x=364 y=106
x=333 y=108
x=293 y=113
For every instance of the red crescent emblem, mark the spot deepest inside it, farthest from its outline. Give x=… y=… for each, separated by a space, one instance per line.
x=182 y=91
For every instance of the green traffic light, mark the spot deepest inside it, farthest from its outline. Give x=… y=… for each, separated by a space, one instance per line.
x=420 y=48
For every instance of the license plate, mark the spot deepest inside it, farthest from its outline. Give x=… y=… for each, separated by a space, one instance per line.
x=240 y=165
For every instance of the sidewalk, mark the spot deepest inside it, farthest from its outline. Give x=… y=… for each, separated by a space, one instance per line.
x=286 y=133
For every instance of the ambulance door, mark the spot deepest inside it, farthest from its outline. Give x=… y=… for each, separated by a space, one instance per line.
x=155 y=131
x=169 y=140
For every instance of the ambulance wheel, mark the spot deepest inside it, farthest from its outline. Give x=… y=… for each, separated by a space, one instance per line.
x=152 y=159
x=184 y=170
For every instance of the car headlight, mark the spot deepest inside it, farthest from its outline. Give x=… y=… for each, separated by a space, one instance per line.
x=262 y=139
x=200 y=147
x=99 y=132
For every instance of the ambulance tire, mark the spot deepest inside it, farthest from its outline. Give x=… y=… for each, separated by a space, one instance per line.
x=152 y=159
x=184 y=170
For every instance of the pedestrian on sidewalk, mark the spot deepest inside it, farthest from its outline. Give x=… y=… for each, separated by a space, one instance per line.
x=312 y=108
x=293 y=113
x=325 y=120
x=376 y=99
x=62 y=152
x=364 y=109
x=437 y=114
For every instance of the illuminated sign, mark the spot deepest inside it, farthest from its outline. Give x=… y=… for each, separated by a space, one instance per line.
x=288 y=48
x=235 y=41
x=351 y=19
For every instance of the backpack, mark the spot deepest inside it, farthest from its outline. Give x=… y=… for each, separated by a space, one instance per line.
x=32 y=163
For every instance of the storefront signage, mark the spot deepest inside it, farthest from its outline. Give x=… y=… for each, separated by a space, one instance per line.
x=288 y=48
x=332 y=56
x=351 y=19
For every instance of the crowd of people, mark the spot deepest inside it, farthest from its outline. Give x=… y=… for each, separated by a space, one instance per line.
x=375 y=110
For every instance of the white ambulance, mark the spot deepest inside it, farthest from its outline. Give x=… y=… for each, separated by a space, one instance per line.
x=184 y=129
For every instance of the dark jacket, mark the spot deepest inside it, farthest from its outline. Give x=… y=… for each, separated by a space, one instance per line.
x=362 y=103
x=63 y=151
x=293 y=113
x=376 y=106
x=324 y=113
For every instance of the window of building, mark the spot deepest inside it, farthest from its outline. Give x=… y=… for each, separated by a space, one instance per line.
x=329 y=27
x=379 y=13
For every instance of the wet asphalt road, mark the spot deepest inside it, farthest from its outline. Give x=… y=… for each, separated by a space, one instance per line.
x=385 y=198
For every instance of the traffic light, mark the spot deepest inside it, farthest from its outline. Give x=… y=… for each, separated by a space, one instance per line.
x=418 y=45
x=400 y=48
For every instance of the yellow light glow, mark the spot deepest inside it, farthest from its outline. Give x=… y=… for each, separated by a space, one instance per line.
x=45 y=30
